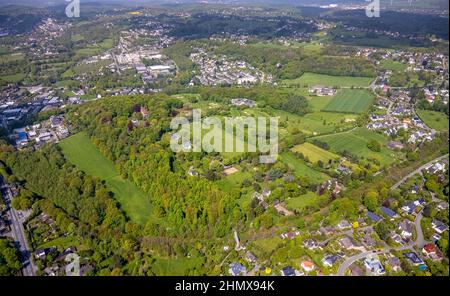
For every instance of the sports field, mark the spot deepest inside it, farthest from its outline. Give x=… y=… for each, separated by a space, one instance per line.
x=350 y=101
x=80 y=151
x=355 y=142
x=435 y=120
x=314 y=153
x=301 y=169
x=312 y=79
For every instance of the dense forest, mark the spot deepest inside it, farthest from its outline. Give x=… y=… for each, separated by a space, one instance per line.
x=9 y=258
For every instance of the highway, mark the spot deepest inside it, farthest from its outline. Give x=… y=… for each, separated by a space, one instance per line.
x=18 y=233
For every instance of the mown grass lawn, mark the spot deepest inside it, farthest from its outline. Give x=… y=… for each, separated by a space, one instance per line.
x=302 y=201
x=63 y=242
x=80 y=151
x=301 y=169
x=435 y=120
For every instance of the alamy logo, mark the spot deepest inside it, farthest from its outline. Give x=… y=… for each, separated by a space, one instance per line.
x=373 y=8
x=241 y=134
x=73 y=8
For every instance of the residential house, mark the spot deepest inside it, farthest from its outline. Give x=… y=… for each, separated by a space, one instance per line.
x=344 y=224
x=40 y=253
x=406 y=229
x=413 y=258
x=237 y=269
x=349 y=243
x=432 y=252
x=311 y=244
x=411 y=207
x=389 y=213
x=355 y=270
x=442 y=206
x=328 y=260
x=307 y=266
x=281 y=209
x=369 y=241
x=394 y=263
x=288 y=271
x=374 y=265
x=396 y=145
x=243 y=102
x=372 y=216
x=438 y=226
x=290 y=235
x=250 y=257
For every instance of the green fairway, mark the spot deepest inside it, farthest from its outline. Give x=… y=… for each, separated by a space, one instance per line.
x=301 y=169
x=350 y=101
x=314 y=153
x=435 y=120
x=80 y=151
x=355 y=142
x=312 y=79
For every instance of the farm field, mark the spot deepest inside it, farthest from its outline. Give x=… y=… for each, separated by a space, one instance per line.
x=80 y=151
x=301 y=169
x=350 y=101
x=6 y=58
x=435 y=120
x=355 y=142
x=314 y=153
x=311 y=79
x=12 y=78
x=315 y=123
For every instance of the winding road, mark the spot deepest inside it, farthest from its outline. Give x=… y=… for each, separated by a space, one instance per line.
x=417 y=171
x=418 y=243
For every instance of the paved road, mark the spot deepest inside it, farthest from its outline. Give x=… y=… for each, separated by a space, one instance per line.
x=346 y=264
x=420 y=240
x=419 y=243
x=417 y=171
x=18 y=233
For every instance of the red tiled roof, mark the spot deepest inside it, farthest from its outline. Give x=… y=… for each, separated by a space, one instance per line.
x=430 y=248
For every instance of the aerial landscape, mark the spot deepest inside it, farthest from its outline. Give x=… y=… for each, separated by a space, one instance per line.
x=96 y=97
